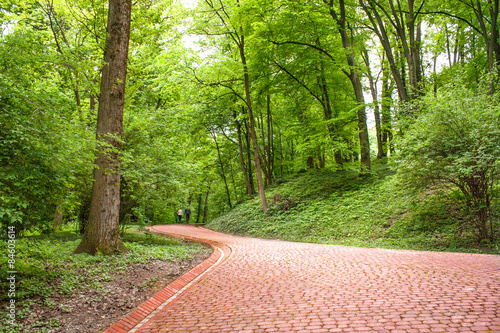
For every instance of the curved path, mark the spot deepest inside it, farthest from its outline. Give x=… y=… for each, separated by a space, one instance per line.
x=275 y=286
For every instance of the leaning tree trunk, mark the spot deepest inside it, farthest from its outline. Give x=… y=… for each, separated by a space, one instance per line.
x=102 y=231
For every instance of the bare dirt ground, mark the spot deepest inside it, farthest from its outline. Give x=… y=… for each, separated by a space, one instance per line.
x=95 y=310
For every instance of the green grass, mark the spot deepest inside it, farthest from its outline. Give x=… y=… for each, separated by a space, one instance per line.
x=45 y=265
x=342 y=208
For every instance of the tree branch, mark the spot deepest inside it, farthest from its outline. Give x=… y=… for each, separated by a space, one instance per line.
x=455 y=17
x=300 y=83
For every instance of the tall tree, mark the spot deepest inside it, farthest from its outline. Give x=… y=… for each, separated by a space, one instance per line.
x=232 y=27
x=376 y=106
x=102 y=231
x=386 y=100
x=482 y=17
x=213 y=133
x=246 y=174
x=346 y=34
x=379 y=26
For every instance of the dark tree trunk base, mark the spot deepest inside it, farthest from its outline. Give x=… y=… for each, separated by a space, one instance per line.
x=105 y=247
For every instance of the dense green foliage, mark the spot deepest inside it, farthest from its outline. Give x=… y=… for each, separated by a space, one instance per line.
x=455 y=143
x=194 y=74
x=215 y=88
x=40 y=136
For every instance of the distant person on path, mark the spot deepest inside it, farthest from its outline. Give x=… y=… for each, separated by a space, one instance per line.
x=179 y=214
x=188 y=214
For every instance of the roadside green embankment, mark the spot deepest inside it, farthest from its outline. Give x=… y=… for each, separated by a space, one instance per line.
x=342 y=208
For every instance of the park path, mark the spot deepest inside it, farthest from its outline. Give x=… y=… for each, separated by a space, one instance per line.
x=258 y=285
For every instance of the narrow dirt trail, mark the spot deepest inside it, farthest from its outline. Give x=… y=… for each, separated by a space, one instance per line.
x=275 y=286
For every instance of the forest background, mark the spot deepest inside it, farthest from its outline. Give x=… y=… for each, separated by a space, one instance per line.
x=227 y=99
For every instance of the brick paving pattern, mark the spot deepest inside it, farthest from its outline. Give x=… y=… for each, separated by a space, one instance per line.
x=277 y=286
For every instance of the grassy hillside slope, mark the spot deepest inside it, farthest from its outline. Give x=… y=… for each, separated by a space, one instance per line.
x=342 y=208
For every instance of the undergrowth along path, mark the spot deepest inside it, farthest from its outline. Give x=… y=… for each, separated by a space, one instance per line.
x=271 y=286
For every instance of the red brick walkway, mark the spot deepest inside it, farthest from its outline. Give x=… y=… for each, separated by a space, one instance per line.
x=275 y=286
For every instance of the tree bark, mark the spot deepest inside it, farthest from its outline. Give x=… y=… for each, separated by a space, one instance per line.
x=102 y=231
x=327 y=107
x=92 y=103
x=411 y=49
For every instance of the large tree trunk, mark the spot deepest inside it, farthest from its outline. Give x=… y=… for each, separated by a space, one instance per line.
x=102 y=231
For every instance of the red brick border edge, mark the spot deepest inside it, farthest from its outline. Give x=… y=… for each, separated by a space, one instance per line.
x=135 y=319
